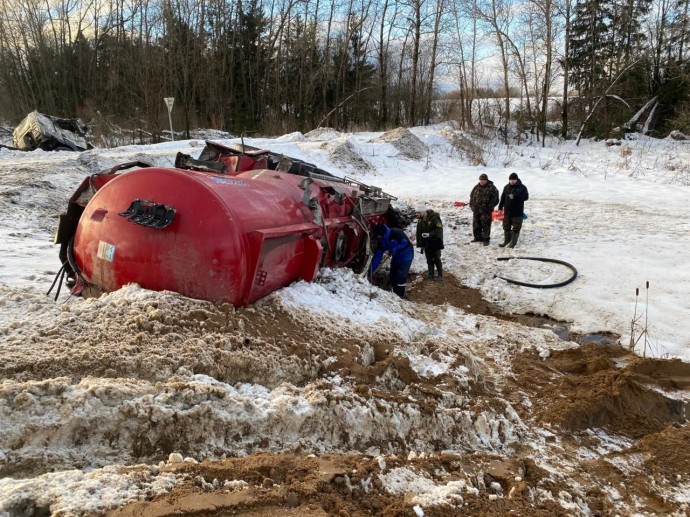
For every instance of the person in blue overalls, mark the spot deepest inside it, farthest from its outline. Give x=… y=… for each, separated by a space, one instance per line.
x=401 y=249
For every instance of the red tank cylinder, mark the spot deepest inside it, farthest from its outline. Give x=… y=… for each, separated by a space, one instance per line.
x=218 y=237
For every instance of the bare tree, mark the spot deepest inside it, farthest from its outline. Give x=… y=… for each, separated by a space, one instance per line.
x=465 y=22
x=566 y=10
x=438 y=16
x=383 y=51
x=497 y=13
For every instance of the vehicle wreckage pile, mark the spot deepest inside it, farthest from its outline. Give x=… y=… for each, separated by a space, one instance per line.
x=39 y=131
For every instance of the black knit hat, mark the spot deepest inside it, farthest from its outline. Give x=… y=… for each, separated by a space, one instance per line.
x=513 y=176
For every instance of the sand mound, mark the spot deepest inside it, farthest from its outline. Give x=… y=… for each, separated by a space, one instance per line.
x=344 y=155
x=404 y=141
x=469 y=150
x=291 y=137
x=594 y=391
x=667 y=451
x=322 y=134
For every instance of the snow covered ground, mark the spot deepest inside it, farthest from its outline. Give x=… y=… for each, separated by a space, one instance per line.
x=92 y=385
x=615 y=212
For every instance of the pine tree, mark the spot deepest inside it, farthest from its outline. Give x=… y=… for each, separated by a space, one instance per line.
x=605 y=39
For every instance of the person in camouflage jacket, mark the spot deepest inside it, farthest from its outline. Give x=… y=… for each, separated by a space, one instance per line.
x=430 y=239
x=483 y=199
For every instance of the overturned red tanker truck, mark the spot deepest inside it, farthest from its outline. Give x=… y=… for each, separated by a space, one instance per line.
x=231 y=226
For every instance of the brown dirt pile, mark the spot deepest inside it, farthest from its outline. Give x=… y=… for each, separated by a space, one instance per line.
x=594 y=386
x=287 y=485
x=667 y=452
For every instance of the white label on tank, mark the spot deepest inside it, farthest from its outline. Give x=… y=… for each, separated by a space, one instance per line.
x=228 y=181
x=106 y=251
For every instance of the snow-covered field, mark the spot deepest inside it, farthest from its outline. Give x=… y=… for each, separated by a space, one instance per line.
x=616 y=213
x=338 y=366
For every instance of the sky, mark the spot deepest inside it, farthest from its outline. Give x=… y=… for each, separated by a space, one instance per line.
x=616 y=213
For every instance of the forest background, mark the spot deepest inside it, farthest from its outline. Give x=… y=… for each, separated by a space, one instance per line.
x=278 y=66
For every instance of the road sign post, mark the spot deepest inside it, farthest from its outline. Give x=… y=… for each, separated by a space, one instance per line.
x=169 y=103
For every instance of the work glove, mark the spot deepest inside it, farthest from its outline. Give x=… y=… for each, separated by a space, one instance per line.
x=425 y=235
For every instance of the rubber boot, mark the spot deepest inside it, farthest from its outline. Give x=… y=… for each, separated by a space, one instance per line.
x=440 y=273
x=399 y=290
x=430 y=276
x=513 y=240
x=507 y=236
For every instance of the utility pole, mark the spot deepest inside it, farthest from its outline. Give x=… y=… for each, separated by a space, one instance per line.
x=169 y=103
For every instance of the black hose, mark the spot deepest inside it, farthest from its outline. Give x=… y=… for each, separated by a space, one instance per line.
x=539 y=286
x=57 y=276
x=59 y=286
x=70 y=257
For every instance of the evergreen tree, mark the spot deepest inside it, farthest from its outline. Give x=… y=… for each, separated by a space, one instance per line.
x=605 y=39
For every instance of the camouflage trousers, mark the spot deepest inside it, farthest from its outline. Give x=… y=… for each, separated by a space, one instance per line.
x=481 y=225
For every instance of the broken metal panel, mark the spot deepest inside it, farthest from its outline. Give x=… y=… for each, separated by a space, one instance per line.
x=39 y=131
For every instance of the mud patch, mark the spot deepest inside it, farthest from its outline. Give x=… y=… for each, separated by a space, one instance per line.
x=448 y=291
x=668 y=452
x=443 y=485
x=602 y=387
x=469 y=299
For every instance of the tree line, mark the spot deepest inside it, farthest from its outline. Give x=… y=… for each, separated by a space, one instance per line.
x=285 y=65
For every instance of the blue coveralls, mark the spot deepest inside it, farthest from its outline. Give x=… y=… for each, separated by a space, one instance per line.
x=402 y=253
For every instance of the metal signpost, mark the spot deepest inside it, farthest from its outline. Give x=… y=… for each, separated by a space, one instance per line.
x=169 y=103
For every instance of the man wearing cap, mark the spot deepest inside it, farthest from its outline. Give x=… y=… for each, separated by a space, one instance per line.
x=400 y=247
x=430 y=239
x=483 y=199
x=513 y=205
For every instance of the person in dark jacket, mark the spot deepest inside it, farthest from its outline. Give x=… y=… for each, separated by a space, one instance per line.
x=513 y=205
x=430 y=239
x=401 y=249
x=483 y=199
